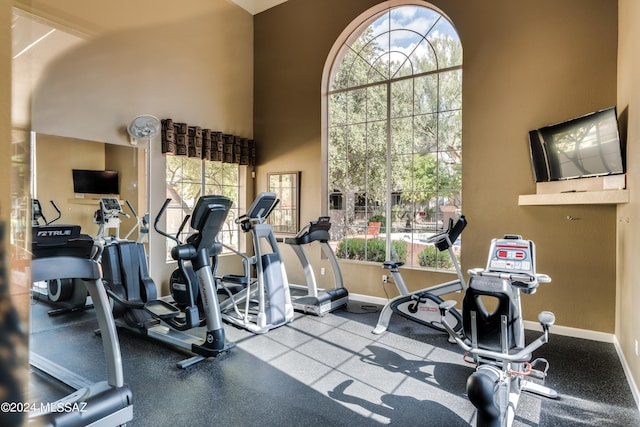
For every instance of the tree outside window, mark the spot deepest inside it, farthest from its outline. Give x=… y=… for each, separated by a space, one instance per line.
x=395 y=135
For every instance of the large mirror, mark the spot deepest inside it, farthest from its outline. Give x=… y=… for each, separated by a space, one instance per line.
x=57 y=148
x=50 y=142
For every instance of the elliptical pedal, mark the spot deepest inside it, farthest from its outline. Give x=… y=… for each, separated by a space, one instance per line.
x=161 y=309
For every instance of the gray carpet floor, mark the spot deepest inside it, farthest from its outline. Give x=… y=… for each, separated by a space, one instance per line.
x=329 y=371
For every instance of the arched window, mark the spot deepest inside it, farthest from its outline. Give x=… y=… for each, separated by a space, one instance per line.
x=393 y=134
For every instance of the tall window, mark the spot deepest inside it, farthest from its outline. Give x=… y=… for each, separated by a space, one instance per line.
x=188 y=179
x=394 y=136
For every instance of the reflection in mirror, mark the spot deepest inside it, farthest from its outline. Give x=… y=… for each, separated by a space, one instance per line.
x=56 y=157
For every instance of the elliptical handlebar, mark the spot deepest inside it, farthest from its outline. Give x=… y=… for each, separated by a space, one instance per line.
x=55 y=206
x=142 y=223
x=37 y=213
x=135 y=216
x=133 y=211
x=155 y=223
x=184 y=223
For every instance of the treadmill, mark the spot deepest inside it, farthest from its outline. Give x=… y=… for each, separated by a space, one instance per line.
x=61 y=252
x=309 y=298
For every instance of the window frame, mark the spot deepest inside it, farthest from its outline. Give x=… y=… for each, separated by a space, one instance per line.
x=176 y=213
x=352 y=32
x=285 y=218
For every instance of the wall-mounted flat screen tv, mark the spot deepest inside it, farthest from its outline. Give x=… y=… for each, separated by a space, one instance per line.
x=95 y=181
x=582 y=147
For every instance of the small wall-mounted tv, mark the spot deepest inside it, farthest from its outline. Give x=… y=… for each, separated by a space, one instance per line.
x=95 y=181
x=582 y=147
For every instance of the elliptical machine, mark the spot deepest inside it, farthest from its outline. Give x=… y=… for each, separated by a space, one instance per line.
x=262 y=303
x=108 y=217
x=495 y=340
x=422 y=306
x=136 y=305
x=65 y=294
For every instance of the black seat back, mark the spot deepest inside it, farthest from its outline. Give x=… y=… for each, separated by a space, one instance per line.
x=483 y=292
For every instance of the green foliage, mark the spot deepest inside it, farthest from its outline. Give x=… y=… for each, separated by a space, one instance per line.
x=399 y=250
x=432 y=257
x=371 y=250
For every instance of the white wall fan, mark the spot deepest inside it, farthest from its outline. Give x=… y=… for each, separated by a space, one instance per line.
x=143 y=127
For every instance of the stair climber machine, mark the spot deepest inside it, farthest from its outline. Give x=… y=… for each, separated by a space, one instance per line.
x=422 y=306
x=68 y=294
x=495 y=340
x=263 y=302
x=61 y=252
x=309 y=298
x=193 y=304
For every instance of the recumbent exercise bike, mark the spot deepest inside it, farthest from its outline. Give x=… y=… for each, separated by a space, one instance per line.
x=495 y=340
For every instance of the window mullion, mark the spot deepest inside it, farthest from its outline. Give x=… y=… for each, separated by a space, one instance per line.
x=389 y=164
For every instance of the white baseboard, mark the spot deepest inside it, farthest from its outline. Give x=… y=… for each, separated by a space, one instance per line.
x=627 y=372
x=555 y=329
x=566 y=331
x=367 y=299
x=534 y=326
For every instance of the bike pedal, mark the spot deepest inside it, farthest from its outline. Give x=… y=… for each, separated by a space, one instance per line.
x=538 y=373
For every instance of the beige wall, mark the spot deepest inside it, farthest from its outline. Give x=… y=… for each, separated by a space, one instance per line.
x=525 y=65
x=628 y=293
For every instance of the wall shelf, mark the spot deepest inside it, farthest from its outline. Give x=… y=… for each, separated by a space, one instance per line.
x=605 y=197
x=600 y=190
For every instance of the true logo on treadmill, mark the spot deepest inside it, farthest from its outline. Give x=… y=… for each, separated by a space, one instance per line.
x=54 y=233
